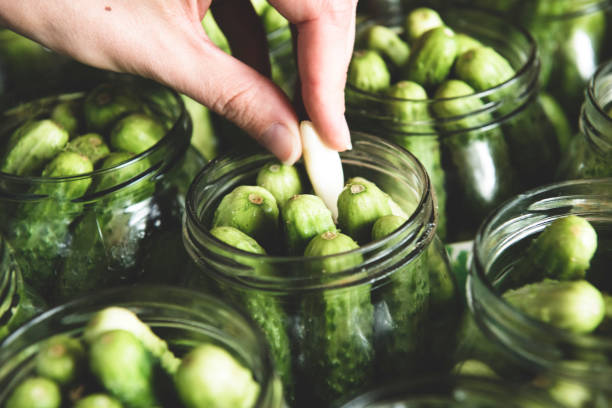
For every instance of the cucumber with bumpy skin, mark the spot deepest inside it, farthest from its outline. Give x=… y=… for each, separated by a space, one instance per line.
x=387 y=43
x=303 y=217
x=432 y=57
x=35 y=392
x=282 y=180
x=251 y=209
x=107 y=103
x=483 y=68
x=31 y=146
x=563 y=251
x=360 y=204
x=136 y=133
x=91 y=145
x=61 y=358
x=124 y=367
x=97 y=400
x=368 y=71
x=67 y=115
x=419 y=21
x=337 y=344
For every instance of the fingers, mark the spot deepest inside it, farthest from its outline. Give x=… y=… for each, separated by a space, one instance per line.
x=325 y=37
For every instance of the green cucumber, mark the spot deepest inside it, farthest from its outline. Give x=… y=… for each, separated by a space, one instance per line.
x=483 y=68
x=107 y=103
x=67 y=115
x=136 y=133
x=360 y=204
x=97 y=400
x=337 y=343
x=466 y=42
x=31 y=146
x=210 y=377
x=251 y=209
x=90 y=145
x=432 y=57
x=303 y=217
x=419 y=21
x=368 y=72
x=576 y=306
x=563 y=251
x=385 y=225
x=61 y=359
x=120 y=362
x=35 y=392
x=282 y=180
x=387 y=43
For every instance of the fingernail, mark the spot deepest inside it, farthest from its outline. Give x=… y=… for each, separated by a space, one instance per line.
x=282 y=143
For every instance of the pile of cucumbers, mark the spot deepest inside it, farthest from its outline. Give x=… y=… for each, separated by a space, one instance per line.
x=87 y=205
x=118 y=361
x=459 y=106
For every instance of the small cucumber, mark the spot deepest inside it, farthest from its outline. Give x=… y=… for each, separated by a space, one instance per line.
x=123 y=366
x=31 y=146
x=563 y=251
x=385 y=225
x=338 y=337
x=63 y=165
x=90 y=145
x=67 y=114
x=360 y=204
x=136 y=133
x=368 y=72
x=576 y=305
x=211 y=377
x=408 y=107
x=35 y=392
x=236 y=238
x=466 y=42
x=432 y=57
x=107 y=103
x=97 y=400
x=483 y=68
x=387 y=43
x=252 y=210
x=61 y=359
x=303 y=217
x=419 y=21
x=282 y=180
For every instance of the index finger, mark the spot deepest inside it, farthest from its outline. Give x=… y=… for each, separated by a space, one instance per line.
x=325 y=38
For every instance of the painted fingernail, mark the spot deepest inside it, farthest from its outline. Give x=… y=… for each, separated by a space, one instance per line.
x=282 y=143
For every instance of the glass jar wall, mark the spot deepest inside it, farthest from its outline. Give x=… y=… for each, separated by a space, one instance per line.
x=570 y=345
x=182 y=318
x=389 y=309
x=500 y=142
x=78 y=233
x=590 y=152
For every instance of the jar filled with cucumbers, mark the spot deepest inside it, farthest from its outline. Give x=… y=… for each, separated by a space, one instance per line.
x=459 y=89
x=539 y=289
x=348 y=295
x=590 y=153
x=571 y=37
x=454 y=391
x=92 y=187
x=143 y=346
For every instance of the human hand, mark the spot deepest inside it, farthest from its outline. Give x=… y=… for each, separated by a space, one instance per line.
x=164 y=40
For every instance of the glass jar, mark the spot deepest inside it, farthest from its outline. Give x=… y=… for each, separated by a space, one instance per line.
x=181 y=317
x=571 y=38
x=537 y=347
x=454 y=391
x=506 y=143
x=18 y=302
x=590 y=153
x=393 y=315
x=108 y=235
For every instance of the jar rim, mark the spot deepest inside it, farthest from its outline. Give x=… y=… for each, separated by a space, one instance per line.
x=169 y=139
x=410 y=232
x=480 y=291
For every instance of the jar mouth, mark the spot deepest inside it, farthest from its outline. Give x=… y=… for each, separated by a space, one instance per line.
x=411 y=237
x=595 y=121
x=572 y=9
x=512 y=222
x=451 y=391
x=200 y=315
x=161 y=155
x=514 y=91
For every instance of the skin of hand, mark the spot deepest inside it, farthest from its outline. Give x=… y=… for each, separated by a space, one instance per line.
x=164 y=40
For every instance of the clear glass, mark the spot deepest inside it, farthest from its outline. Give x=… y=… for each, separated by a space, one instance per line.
x=506 y=144
x=538 y=347
x=454 y=391
x=129 y=232
x=181 y=317
x=590 y=153
x=571 y=37
x=401 y=302
x=18 y=303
